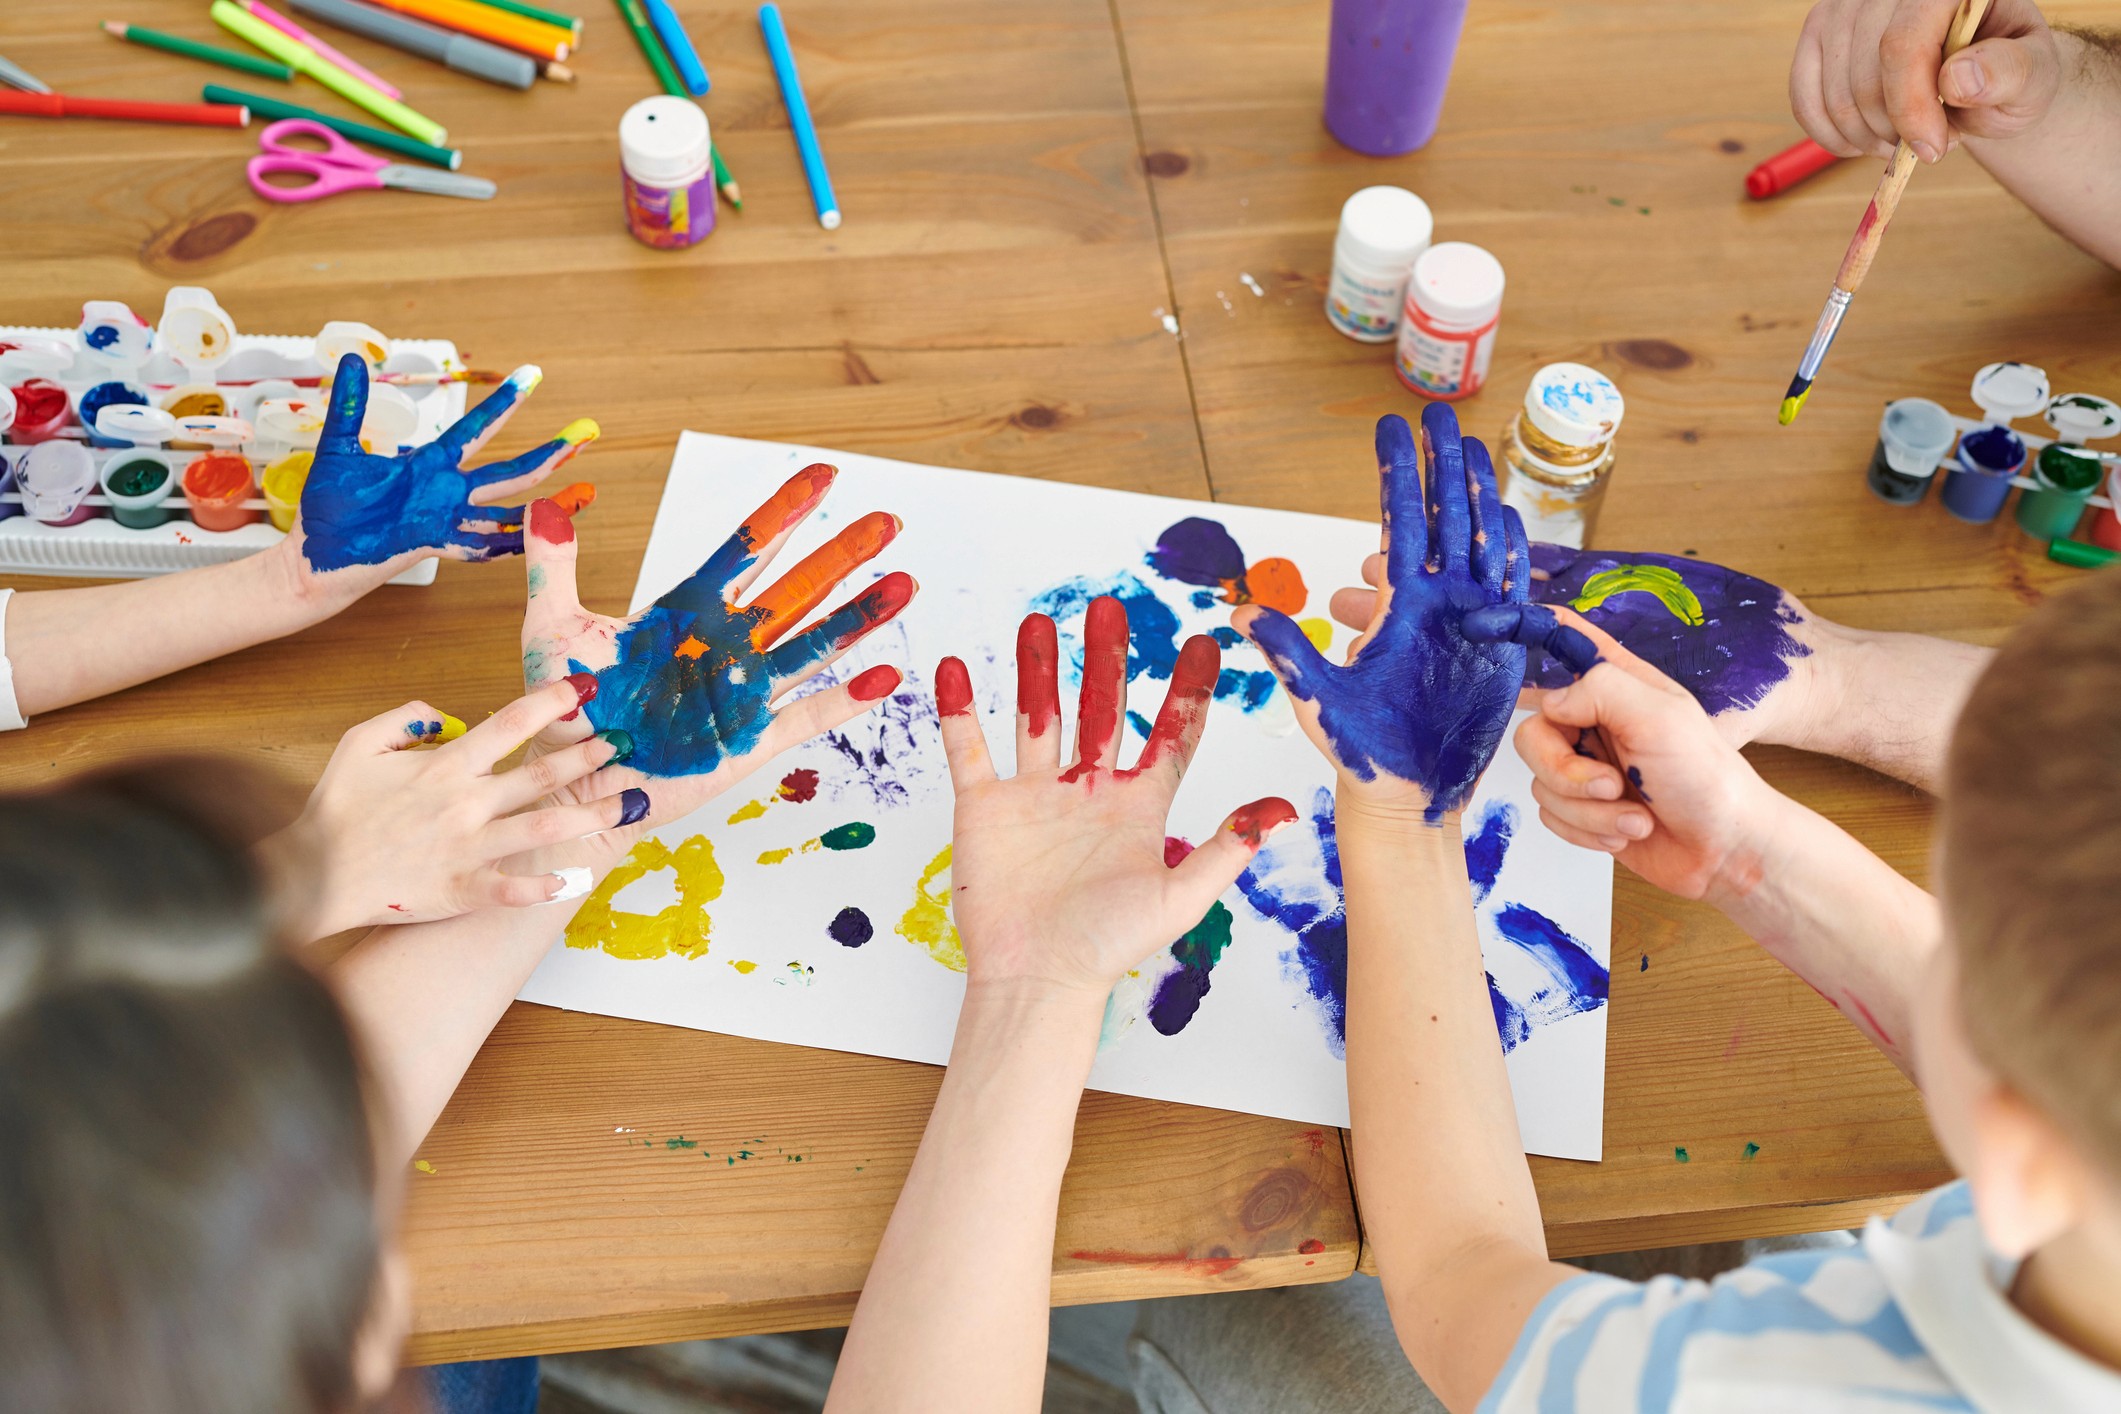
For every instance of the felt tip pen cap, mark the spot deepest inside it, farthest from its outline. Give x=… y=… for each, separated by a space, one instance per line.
x=2080 y=555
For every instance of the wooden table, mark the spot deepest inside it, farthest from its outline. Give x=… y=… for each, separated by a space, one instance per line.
x=1027 y=187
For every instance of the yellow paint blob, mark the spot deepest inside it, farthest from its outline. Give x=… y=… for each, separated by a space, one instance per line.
x=423 y=1166
x=745 y=967
x=775 y=856
x=681 y=930
x=927 y=923
x=1319 y=631
x=748 y=812
x=1658 y=580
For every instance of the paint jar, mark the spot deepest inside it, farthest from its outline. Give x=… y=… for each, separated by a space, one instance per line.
x=137 y=485
x=1977 y=487
x=42 y=410
x=1387 y=64
x=195 y=330
x=216 y=486
x=7 y=407
x=1914 y=435
x=284 y=424
x=666 y=160
x=8 y=508
x=56 y=478
x=1447 y=330
x=1557 y=452
x=2105 y=525
x=134 y=425
x=1382 y=231
x=194 y=400
x=2063 y=480
x=103 y=395
x=283 y=482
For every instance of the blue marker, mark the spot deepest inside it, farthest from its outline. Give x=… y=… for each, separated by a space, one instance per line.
x=776 y=35
x=672 y=32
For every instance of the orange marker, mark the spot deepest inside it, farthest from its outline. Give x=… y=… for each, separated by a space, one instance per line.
x=532 y=37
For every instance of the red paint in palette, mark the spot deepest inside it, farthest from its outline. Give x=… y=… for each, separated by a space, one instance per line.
x=1104 y=694
x=549 y=522
x=1185 y=706
x=1254 y=823
x=1037 y=673
x=953 y=688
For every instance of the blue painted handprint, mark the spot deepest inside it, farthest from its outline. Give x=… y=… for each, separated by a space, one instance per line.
x=1418 y=704
x=361 y=508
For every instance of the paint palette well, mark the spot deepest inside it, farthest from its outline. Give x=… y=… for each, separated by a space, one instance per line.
x=811 y=904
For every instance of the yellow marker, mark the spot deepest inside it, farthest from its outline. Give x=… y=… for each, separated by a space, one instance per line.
x=305 y=60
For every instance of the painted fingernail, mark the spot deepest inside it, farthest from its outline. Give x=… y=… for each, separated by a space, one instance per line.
x=953 y=688
x=549 y=522
x=582 y=429
x=633 y=805
x=449 y=728
x=574 y=882
x=527 y=378
x=1965 y=76
x=577 y=498
x=585 y=691
x=1258 y=822
x=876 y=682
x=621 y=743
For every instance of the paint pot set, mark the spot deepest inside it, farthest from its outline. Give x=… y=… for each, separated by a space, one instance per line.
x=129 y=449
x=1980 y=461
x=1439 y=305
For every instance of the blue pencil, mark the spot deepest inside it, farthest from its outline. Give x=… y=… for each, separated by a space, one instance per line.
x=672 y=29
x=828 y=206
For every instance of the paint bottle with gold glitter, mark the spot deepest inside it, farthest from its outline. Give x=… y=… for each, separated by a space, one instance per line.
x=1557 y=452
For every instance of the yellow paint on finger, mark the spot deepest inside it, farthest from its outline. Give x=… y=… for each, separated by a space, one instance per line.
x=1319 y=631
x=681 y=930
x=582 y=429
x=452 y=728
x=927 y=923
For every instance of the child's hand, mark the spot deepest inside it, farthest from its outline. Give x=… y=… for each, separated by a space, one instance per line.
x=1059 y=876
x=685 y=688
x=375 y=516
x=1867 y=74
x=402 y=836
x=1415 y=716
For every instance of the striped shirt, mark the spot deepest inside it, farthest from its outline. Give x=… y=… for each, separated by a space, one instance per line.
x=1914 y=1318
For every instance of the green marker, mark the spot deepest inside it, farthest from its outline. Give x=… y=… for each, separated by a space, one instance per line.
x=2079 y=555
x=637 y=21
x=193 y=49
x=360 y=132
x=532 y=12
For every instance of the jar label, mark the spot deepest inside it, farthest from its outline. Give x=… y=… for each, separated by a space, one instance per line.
x=1444 y=363
x=1365 y=310
x=670 y=218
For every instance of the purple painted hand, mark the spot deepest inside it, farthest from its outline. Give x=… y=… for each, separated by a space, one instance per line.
x=1415 y=715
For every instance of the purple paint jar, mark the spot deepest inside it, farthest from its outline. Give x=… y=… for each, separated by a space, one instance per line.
x=1976 y=489
x=1387 y=65
x=668 y=165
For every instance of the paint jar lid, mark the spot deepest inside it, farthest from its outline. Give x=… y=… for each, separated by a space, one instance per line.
x=663 y=141
x=2083 y=417
x=1574 y=404
x=1916 y=434
x=350 y=336
x=28 y=356
x=1457 y=283
x=2005 y=391
x=111 y=334
x=136 y=423
x=195 y=330
x=1386 y=226
x=58 y=467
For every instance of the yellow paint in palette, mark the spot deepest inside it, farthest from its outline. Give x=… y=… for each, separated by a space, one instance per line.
x=282 y=483
x=927 y=923
x=680 y=930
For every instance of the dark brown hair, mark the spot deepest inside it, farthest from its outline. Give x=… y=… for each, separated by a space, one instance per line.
x=2031 y=866
x=187 y=1179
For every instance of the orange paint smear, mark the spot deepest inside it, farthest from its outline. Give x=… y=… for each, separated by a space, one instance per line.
x=1278 y=584
x=1162 y=1261
x=791 y=598
x=576 y=498
x=797 y=498
x=691 y=648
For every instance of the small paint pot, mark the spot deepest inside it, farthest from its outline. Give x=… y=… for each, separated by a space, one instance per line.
x=42 y=411
x=1914 y=435
x=286 y=424
x=2104 y=528
x=390 y=420
x=134 y=425
x=7 y=407
x=8 y=508
x=194 y=400
x=216 y=486
x=56 y=478
x=138 y=484
x=2064 y=479
x=1977 y=487
x=283 y=482
x=104 y=395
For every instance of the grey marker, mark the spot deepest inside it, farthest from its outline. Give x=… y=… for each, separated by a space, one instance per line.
x=15 y=76
x=459 y=51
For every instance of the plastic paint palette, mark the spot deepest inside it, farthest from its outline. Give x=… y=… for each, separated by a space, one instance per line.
x=101 y=548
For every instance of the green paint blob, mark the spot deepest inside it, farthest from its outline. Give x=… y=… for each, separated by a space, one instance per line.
x=1659 y=581
x=1203 y=945
x=1750 y=1149
x=1680 y=1155
x=138 y=478
x=681 y=1142
x=855 y=834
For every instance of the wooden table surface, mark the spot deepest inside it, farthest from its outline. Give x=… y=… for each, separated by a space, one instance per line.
x=1027 y=186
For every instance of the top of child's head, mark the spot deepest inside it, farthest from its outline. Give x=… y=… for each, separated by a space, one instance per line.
x=2018 y=1039
x=188 y=1214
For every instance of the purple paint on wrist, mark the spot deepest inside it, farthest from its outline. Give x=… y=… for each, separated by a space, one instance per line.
x=633 y=805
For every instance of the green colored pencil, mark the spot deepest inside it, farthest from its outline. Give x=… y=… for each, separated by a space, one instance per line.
x=723 y=182
x=193 y=49
x=517 y=7
x=360 y=132
x=637 y=21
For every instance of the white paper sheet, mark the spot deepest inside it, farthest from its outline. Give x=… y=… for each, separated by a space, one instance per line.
x=987 y=549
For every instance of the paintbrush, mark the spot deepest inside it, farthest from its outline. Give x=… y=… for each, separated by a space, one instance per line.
x=1870 y=233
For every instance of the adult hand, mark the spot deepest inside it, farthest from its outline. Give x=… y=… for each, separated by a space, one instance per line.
x=685 y=689
x=1059 y=875
x=1415 y=715
x=1868 y=73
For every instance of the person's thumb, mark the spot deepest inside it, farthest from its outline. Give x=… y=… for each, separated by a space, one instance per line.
x=1631 y=708
x=2000 y=86
x=1202 y=876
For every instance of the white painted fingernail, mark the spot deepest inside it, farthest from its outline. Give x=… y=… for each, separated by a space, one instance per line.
x=574 y=882
x=527 y=378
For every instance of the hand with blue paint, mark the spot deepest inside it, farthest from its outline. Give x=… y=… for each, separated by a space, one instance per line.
x=694 y=690
x=372 y=516
x=1414 y=716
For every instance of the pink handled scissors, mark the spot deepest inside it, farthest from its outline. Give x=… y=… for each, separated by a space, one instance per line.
x=342 y=167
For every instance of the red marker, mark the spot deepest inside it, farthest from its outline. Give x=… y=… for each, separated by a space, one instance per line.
x=62 y=105
x=1787 y=168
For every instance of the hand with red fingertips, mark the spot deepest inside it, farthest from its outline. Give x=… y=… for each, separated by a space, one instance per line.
x=1058 y=877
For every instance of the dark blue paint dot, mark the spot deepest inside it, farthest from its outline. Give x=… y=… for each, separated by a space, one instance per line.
x=851 y=927
x=1645 y=963
x=102 y=336
x=1226 y=637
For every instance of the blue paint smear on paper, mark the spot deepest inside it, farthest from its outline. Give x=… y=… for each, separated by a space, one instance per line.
x=1140 y=723
x=1579 y=983
x=1488 y=845
x=1153 y=635
x=1294 y=881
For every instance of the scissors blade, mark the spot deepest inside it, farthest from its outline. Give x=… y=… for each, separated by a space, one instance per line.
x=426 y=179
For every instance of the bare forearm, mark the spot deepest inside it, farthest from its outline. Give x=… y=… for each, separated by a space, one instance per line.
x=953 y=1315
x=2067 y=167
x=1884 y=700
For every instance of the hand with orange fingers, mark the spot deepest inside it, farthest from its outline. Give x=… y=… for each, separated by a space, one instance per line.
x=686 y=690
x=396 y=835
x=1058 y=873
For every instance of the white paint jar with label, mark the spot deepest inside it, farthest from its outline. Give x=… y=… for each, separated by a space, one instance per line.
x=1382 y=231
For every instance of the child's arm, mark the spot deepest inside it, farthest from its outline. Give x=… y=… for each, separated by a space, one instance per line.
x=1058 y=885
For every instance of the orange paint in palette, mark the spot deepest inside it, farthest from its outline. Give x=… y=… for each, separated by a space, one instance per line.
x=216 y=486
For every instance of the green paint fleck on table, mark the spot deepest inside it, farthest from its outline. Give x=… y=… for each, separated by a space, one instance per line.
x=1750 y=1149
x=1680 y=1154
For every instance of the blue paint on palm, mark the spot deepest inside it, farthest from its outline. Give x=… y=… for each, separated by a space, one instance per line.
x=1422 y=702
x=359 y=508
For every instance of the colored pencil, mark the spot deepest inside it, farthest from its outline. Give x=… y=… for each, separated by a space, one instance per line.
x=533 y=37
x=15 y=76
x=1870 y=233
x=531 y=12
x=461 y=52
x=776 y=35
x=389 y=141
x=66 y=105
x=671 y=30
x=555 y=70
x=305 y=60
x=1787 y=168
x=651 y=47
x=325 y=51
x=192 y=49
x=723 y=182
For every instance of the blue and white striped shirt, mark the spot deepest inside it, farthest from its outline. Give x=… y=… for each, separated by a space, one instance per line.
x=1914 y=1318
